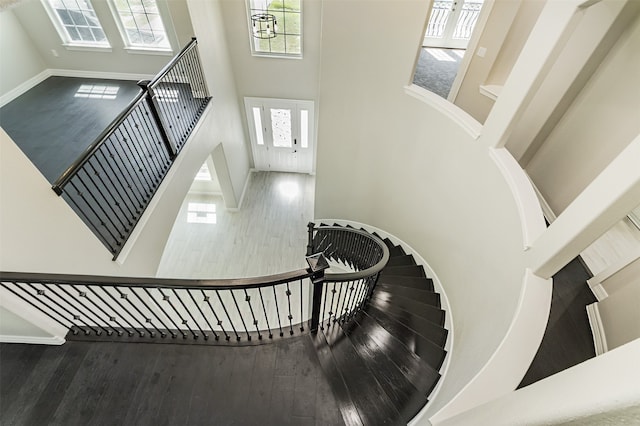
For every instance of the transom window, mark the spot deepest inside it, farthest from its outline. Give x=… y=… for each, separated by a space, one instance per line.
x=275 y=27
x=141 y=24
x=77 y=23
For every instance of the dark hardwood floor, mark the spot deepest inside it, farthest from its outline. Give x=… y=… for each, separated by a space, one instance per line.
x=567 y=340
x=90 y=383
x=54 y=122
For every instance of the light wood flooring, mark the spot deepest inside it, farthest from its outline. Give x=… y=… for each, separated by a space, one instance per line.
x=266 y=236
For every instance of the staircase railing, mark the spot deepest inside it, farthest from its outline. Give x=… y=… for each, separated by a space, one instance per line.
x=113 y=182
x=339 y=296
x=237 y=310
x=144 y=309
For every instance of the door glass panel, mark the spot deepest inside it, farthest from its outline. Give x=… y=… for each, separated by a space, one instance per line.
x=467 y=20
x=438 y=19
x=257 y=120
x=304 y=128
x=281 y=127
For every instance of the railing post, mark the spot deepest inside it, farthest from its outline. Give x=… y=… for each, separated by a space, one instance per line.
x=317 y=264
x=310 y=227
x=153 y=107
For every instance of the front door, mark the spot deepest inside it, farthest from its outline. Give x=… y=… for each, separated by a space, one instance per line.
x=281 y=134
x=451 y=23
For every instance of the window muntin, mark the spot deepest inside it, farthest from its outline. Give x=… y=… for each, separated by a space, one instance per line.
x=285 y=37
x=77 y=23
x=141 y=24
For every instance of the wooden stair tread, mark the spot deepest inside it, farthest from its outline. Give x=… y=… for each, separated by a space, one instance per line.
x=424 y=296
x=401 y=260
x=408 y=271
x=419 y=283
x=428 y=312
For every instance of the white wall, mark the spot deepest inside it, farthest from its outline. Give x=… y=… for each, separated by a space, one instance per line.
x=11 y=325
x=414 y=173
x=599 y=124
x=620 y=311
x=36 y=22
x=19 y=58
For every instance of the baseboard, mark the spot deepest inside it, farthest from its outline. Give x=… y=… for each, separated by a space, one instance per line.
x=597 y=329
x=24 y=87
x=31 y=340
x=546 y=208
x=101 y=75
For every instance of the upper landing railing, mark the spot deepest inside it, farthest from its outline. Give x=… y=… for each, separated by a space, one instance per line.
x=226 y=311
x=114 y=180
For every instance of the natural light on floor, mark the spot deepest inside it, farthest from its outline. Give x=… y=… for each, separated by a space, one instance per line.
x=289 y=190
x=97 y=91
x=201 y=213
x=440 y=55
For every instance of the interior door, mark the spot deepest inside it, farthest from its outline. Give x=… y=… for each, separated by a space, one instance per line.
x=281 y=134
x=451 y=23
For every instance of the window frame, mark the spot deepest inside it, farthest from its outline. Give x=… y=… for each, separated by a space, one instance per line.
x=139 y=48
x=281 y=55
x=66 y=38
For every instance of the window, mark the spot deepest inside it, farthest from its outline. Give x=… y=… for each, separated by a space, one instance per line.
x=141 y=24
x=275 y=27
x=77 y=23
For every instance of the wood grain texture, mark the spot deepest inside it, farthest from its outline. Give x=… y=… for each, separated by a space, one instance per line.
x=82 y=383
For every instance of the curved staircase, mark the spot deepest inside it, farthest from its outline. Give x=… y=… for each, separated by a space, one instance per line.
x=384 y=362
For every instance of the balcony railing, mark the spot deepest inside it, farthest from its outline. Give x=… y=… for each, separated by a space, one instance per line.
x=113 y=182
x=236 y=311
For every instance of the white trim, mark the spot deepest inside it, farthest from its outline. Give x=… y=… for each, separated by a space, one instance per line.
x=31 y=340
x=523 y=193
x=513 y=356
x=595 y=282
x=546 y=208
x=155 y=200
x=244 y=191
x=598 y=291
x=100 y=74
x=483 y=18
x=597 y=329
x=87 y=48
x=491 y=91
x=455 y=113
x=437 y=285
x=24 y=87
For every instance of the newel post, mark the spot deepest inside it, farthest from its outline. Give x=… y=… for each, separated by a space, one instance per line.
x=310 y=230
x=153 y=107
x=317 y=264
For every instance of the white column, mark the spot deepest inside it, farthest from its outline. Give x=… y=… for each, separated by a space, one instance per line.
x=547 y=39
x=608 y=199
x=602 y=390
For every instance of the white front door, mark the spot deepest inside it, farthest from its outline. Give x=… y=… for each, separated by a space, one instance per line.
x=281 y=134
x=451 y=23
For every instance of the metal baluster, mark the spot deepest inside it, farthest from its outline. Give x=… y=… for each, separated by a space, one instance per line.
x=134 y=162
x=275 y=298
x=343 y=309
x=195 y=335
x=324 y=304
x=333 y=295
x=228 y=317
x=167 y=111
x=173 y=335
x=37 y=307
x=127 y=311
x=183 y=104
x=120 y=187
x=146 y=147
x=348 y=309
x=264 y=311
x=88 y=308
x=139 y=200
x=116 y=202
x=130 y=139
x=75 y=316
x=337 y=306
x=240 y=313
x=288 y=293
x=206 y=337
x=99 y=204
x=182 y=320
x=206 y=299
x=99 y=229
x=162 y=333
x=301 y=311
x=126 y=159
x=103 y=194
x=361 y=293
x=111 y=317
x=247 y=299
x=125 y=296
x=157 y=137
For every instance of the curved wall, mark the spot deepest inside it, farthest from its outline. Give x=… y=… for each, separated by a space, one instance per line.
x=387 y=159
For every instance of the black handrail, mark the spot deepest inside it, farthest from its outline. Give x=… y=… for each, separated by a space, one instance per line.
x=113 y=181
x=66 y=176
